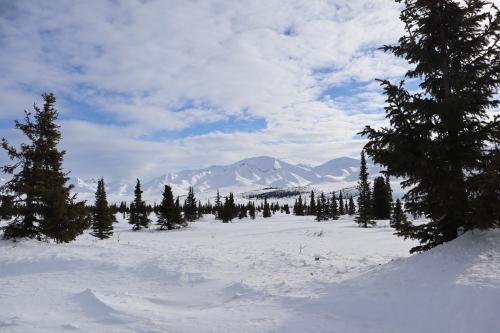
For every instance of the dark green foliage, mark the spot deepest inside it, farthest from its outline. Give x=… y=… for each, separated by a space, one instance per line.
x=334 y=208
x=312 y=205
x=218 y=207
x=168 y=215
x=229 y=210
x=441 y=138
x=102 y=217
x=138 y=212
x=298 y=208
x=398 y=218
x=351 y=210
x=6 y=207
x=322 y=208
x=37 y=197
x=342 y=210
x=190 y=209
x=382 y=199
x=266 y=210
x=251 y=210
x=364 y=216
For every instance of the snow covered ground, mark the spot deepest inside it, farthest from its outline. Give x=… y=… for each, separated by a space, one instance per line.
x=284 y=274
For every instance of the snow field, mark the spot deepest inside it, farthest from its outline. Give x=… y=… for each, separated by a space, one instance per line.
x=283 y=274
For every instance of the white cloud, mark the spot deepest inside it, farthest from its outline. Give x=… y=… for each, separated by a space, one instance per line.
x=140 y=61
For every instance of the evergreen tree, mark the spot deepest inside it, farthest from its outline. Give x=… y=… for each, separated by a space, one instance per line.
x=251 y=210
x=322 y=208
x=138 y=212
x=341 y=204
x=190 y=206
x=441 y=139
x=266 y=210
x=363 y=218
x=312 y=205
x=102 y=218
x=352 y=208
x=381 y=199
x=334 y=208
x=167 y=213
x=199 y=211
x=398 y=218
x=178 y=218
x=41 y=205
x=300 y=207
x=218 y=206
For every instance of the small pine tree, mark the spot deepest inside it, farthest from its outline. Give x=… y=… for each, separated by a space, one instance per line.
x=312 y=205
x=167 y=214
x=102 y=218
x=364 y=198
x=190 y=214
x=381 y=203
x=352 y=207
x=178 y=218
x=267 y=210
x=138 y=213
x=341 y=204
x=251 y=210
x=218 y=206
x=300 y=207
x=398 y=218
x=334 y=208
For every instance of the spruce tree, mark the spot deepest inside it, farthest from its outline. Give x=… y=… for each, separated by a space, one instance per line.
x=352 y=208
x=341 y=204
x=178 y=218
x=190 y=206
x=138 y=211
x=398 y=218
x=300 y=207
x=167 y=214
x=334 y=208
x=364 y=216
x=312 y=205
x=381 y=199
x=42 y=206
x=266 y=210
x=218 y=206
x=102 y=217
x=441 y=138
x=251 y=210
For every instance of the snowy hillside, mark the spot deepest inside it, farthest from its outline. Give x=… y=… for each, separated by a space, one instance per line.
x=246 y=175
x=285 y=274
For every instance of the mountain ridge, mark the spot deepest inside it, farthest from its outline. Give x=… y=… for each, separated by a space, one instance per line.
x=253 y=173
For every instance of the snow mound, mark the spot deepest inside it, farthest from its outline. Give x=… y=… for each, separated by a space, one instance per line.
x=452 y=288
x=96 y=309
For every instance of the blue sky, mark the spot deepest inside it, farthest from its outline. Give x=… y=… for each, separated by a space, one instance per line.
x=145 y=87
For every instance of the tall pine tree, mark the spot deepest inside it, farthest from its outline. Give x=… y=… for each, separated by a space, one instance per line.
x=382 y=199
x=41 y=205
x=441 y=139
x=138 y=211
x=168 y=218
x=102 y=217
x=190 y=206
x=364 y=216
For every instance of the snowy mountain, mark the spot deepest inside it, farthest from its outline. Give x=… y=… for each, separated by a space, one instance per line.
x=249 y=174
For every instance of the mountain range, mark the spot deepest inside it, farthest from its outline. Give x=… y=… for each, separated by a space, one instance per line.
x=256 y=173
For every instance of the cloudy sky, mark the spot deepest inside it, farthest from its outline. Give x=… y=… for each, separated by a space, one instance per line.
x=145 y=87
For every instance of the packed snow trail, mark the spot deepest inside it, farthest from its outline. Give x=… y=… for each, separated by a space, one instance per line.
x=283 y=274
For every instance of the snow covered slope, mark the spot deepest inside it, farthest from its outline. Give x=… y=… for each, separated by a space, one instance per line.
x=285 y=274
x=249 y=174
